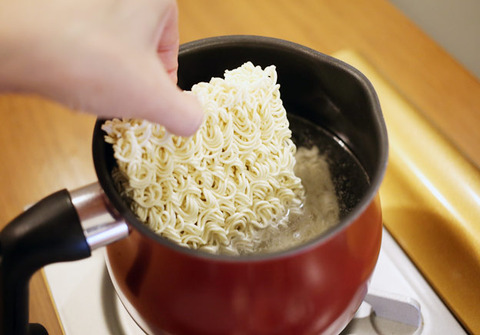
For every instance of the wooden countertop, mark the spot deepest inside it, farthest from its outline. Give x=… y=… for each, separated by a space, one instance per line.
x=45 y=147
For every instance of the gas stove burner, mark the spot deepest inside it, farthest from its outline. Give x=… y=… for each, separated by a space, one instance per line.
x=399 y=301
x=386 y=313
x=380 y=313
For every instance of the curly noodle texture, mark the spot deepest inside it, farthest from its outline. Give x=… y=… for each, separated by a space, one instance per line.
x=217 y=189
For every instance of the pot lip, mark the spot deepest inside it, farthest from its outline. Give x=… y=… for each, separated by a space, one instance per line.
x=107 y=184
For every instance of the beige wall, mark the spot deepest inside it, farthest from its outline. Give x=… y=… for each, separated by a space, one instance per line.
x=454 y=24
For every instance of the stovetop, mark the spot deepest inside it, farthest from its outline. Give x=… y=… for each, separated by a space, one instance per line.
x=433 y=218
x=399 y=301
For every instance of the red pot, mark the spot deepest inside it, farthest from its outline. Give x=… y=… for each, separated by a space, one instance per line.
x=314 y=288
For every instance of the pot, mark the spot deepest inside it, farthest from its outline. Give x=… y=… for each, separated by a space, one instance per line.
x=314 y=288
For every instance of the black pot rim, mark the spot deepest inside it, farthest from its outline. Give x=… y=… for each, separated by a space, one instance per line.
x=99 y=149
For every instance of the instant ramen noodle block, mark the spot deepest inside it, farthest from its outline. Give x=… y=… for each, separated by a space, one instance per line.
x=219 y=189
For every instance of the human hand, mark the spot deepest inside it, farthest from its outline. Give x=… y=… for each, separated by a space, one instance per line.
x=113 y=58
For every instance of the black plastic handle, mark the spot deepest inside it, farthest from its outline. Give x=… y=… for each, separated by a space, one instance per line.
x=46 y=233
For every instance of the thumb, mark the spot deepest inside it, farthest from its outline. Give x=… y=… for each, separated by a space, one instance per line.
x=145 y=90
x=178 y=111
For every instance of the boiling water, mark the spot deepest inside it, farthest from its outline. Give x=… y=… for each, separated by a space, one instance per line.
x=334 y=182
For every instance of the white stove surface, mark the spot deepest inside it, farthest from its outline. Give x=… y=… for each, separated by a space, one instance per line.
x=87 y=303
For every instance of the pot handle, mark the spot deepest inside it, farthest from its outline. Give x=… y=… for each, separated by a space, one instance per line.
x=56 y=229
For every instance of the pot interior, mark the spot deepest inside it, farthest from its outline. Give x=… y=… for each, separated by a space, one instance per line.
x=329 y=104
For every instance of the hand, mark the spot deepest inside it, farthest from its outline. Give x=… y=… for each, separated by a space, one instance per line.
x=113 y=58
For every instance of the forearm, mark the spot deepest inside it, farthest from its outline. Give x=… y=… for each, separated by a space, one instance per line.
x=20 y=57
x=106 y=57
x=11 y=50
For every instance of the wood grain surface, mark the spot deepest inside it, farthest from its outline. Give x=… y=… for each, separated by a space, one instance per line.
x=46 y=147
